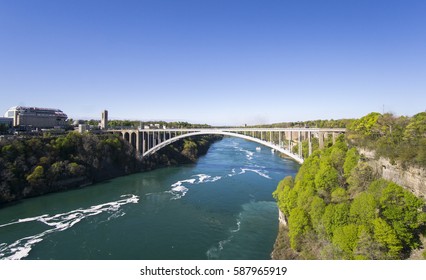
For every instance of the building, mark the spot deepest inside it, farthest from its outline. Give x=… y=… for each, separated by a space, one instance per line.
x=6 y=121
x=34 y=117
x=82 y=128
x=104 y=120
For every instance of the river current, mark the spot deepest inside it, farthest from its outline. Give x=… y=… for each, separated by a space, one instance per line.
x=219 y=208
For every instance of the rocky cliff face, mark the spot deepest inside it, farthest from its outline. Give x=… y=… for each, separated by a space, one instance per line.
x=411 y=178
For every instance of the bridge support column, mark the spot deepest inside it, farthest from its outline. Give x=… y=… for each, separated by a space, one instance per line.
x=280 y=144
x=334 y=138
x=321 y=140
x=300 y=144
x=138 y=142
x=143 y=142
x=309 y=143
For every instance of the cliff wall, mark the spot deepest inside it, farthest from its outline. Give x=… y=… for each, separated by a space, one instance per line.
x=411 y=178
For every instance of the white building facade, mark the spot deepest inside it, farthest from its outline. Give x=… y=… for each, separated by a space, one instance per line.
x=36 y=117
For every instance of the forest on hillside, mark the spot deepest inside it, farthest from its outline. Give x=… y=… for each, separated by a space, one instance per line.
x=37 y=165
x=400 y=139
x=338 y=209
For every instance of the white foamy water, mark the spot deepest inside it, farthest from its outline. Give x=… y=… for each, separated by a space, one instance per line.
x=257 y=171
x=59 y=222
x=249 y=154
x=179 y=189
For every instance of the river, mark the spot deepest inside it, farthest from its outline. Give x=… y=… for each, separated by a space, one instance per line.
x=219 y=208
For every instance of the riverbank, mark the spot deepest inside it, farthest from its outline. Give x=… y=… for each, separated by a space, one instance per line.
x=39 y=165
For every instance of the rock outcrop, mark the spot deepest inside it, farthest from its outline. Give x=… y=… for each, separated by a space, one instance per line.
x=411 y=178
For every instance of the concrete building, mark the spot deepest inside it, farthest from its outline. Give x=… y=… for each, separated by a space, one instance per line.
x=104 y=120
x=35 y=117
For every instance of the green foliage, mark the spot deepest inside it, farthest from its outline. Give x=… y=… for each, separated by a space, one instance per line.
x=366 y=125
x=36 y=176
x=363 y=209
x=190 y=149
x=306 y=175
x=339 y=195
x=326 y=179
x=37 y=165
x=416 y=128
x=360 y=178
x=335 y=215
x=337 y=208
x=316 y=212
x=386 y=236
x=402 y=139
x=376 y=188
x=367 y=248
x=346 y=238
x=286 y=200
x=351 y=160
x=402 y=210
x=298 y=225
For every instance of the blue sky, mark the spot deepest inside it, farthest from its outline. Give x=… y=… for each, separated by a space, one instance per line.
x=222 y=62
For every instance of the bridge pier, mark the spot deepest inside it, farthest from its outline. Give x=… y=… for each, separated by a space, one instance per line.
x=309 y=143
x=321 y=136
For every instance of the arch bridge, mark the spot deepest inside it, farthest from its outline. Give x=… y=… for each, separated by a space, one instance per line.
x=283 y=140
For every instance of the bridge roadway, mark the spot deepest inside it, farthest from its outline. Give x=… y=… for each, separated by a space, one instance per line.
x=283 y=140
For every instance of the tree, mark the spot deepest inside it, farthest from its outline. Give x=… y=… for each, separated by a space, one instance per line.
x=299 y=225
x=346 y=238
x=36 y=177
x=367 y=248
x=316 y=212
x=402 y=210
x=339 y=195
x=335 y=215
x=376 y=188
x=364 y=127
x=361 y=176
x=416 y=128
x=363 y=209
x=337 y=159
x=307 y=172
x=351 y=160
x=385 y=235
x=286 y=200
x=326 y=179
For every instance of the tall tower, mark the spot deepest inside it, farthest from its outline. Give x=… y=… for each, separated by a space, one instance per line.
x=104 y=120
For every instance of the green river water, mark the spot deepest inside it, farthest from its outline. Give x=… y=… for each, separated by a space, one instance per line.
x=219 y=208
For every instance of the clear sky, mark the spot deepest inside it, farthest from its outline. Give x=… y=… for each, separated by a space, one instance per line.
x=221 y=62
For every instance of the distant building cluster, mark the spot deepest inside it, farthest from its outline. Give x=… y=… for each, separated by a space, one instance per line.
x=154 y=126
x=23 y=120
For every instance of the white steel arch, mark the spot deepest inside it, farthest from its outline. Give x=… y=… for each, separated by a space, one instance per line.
x=225 y=133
